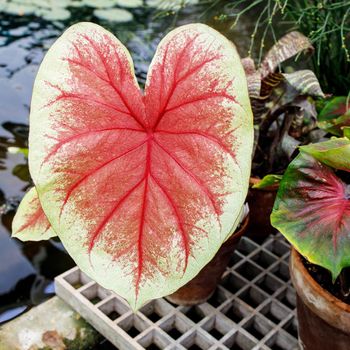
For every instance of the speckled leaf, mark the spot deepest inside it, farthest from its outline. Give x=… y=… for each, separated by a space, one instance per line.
x=305 y=82
x=335 y=115
x=142 y=189
x=30 y=222
x=334 y=152
x=312 y=210
x=288 y=46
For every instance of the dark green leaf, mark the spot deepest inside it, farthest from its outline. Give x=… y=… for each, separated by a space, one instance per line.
x=335 y=115
x=22 y=172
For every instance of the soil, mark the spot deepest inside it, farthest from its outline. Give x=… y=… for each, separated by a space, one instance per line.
x=324 y=278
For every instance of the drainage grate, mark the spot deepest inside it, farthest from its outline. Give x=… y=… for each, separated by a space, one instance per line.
x=253 y=308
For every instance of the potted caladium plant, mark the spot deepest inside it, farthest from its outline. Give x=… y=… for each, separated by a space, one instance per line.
x=142 y=188
x=312 y=210
x=284 y=117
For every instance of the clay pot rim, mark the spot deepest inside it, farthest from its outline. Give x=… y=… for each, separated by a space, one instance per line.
x=254 y=180
x=324 y=292
x=327 y=301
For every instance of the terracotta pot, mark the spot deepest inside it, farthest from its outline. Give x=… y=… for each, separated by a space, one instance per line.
x=201 y=288
x=324 y=320
x=260 y=206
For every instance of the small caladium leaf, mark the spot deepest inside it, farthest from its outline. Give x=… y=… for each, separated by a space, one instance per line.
x=268 y=181
x=305 y=82
x=142 y=189
x=334 y=152
x=288 y=46
x=335 y=115
x=312 y=210
x=30 y=222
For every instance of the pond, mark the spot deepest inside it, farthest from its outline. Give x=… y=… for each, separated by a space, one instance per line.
x=27 y=29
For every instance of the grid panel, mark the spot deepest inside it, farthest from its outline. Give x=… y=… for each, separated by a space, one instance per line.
x=253 y=308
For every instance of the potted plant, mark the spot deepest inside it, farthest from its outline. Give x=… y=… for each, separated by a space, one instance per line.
x=142 y=188
x=312 y=210
x=284 y=117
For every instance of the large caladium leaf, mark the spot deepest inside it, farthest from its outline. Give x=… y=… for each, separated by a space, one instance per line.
x=312 y=210
x=30 y=222
x=142 y=189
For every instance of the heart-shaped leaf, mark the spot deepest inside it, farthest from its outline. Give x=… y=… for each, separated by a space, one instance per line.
x=312 y=210
x=141 y=189
x=30 y=222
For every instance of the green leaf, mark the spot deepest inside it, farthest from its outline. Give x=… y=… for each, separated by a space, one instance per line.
x=305 y=82
x=335 y=152
x=335 y=115
x=22 y=172
x=346 y=131
x=268 y=180
x=312 y=210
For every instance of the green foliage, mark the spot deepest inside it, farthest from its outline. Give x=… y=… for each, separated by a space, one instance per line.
x=325 y=22
x=334 y=153
x=268 y=180
x=346 y=131
x=335 y=115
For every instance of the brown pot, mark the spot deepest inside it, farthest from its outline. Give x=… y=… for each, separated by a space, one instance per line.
x=324 y=320
x=260 y=207
x=201 y=288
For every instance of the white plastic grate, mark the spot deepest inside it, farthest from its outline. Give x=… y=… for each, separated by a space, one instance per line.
x=253 y=308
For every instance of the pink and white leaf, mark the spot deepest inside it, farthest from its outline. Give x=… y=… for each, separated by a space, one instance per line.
x=30 y=222
x=142 y=189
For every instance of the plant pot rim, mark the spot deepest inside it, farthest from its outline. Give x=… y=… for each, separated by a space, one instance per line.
x=324 y=304
x=254 y=180
x=237 y=233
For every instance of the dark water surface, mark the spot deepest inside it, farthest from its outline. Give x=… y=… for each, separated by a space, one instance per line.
x=27 y=269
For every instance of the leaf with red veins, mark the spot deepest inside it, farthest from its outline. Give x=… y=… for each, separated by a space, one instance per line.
x=30 y=222
x=142 y=189
x=312 y=210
